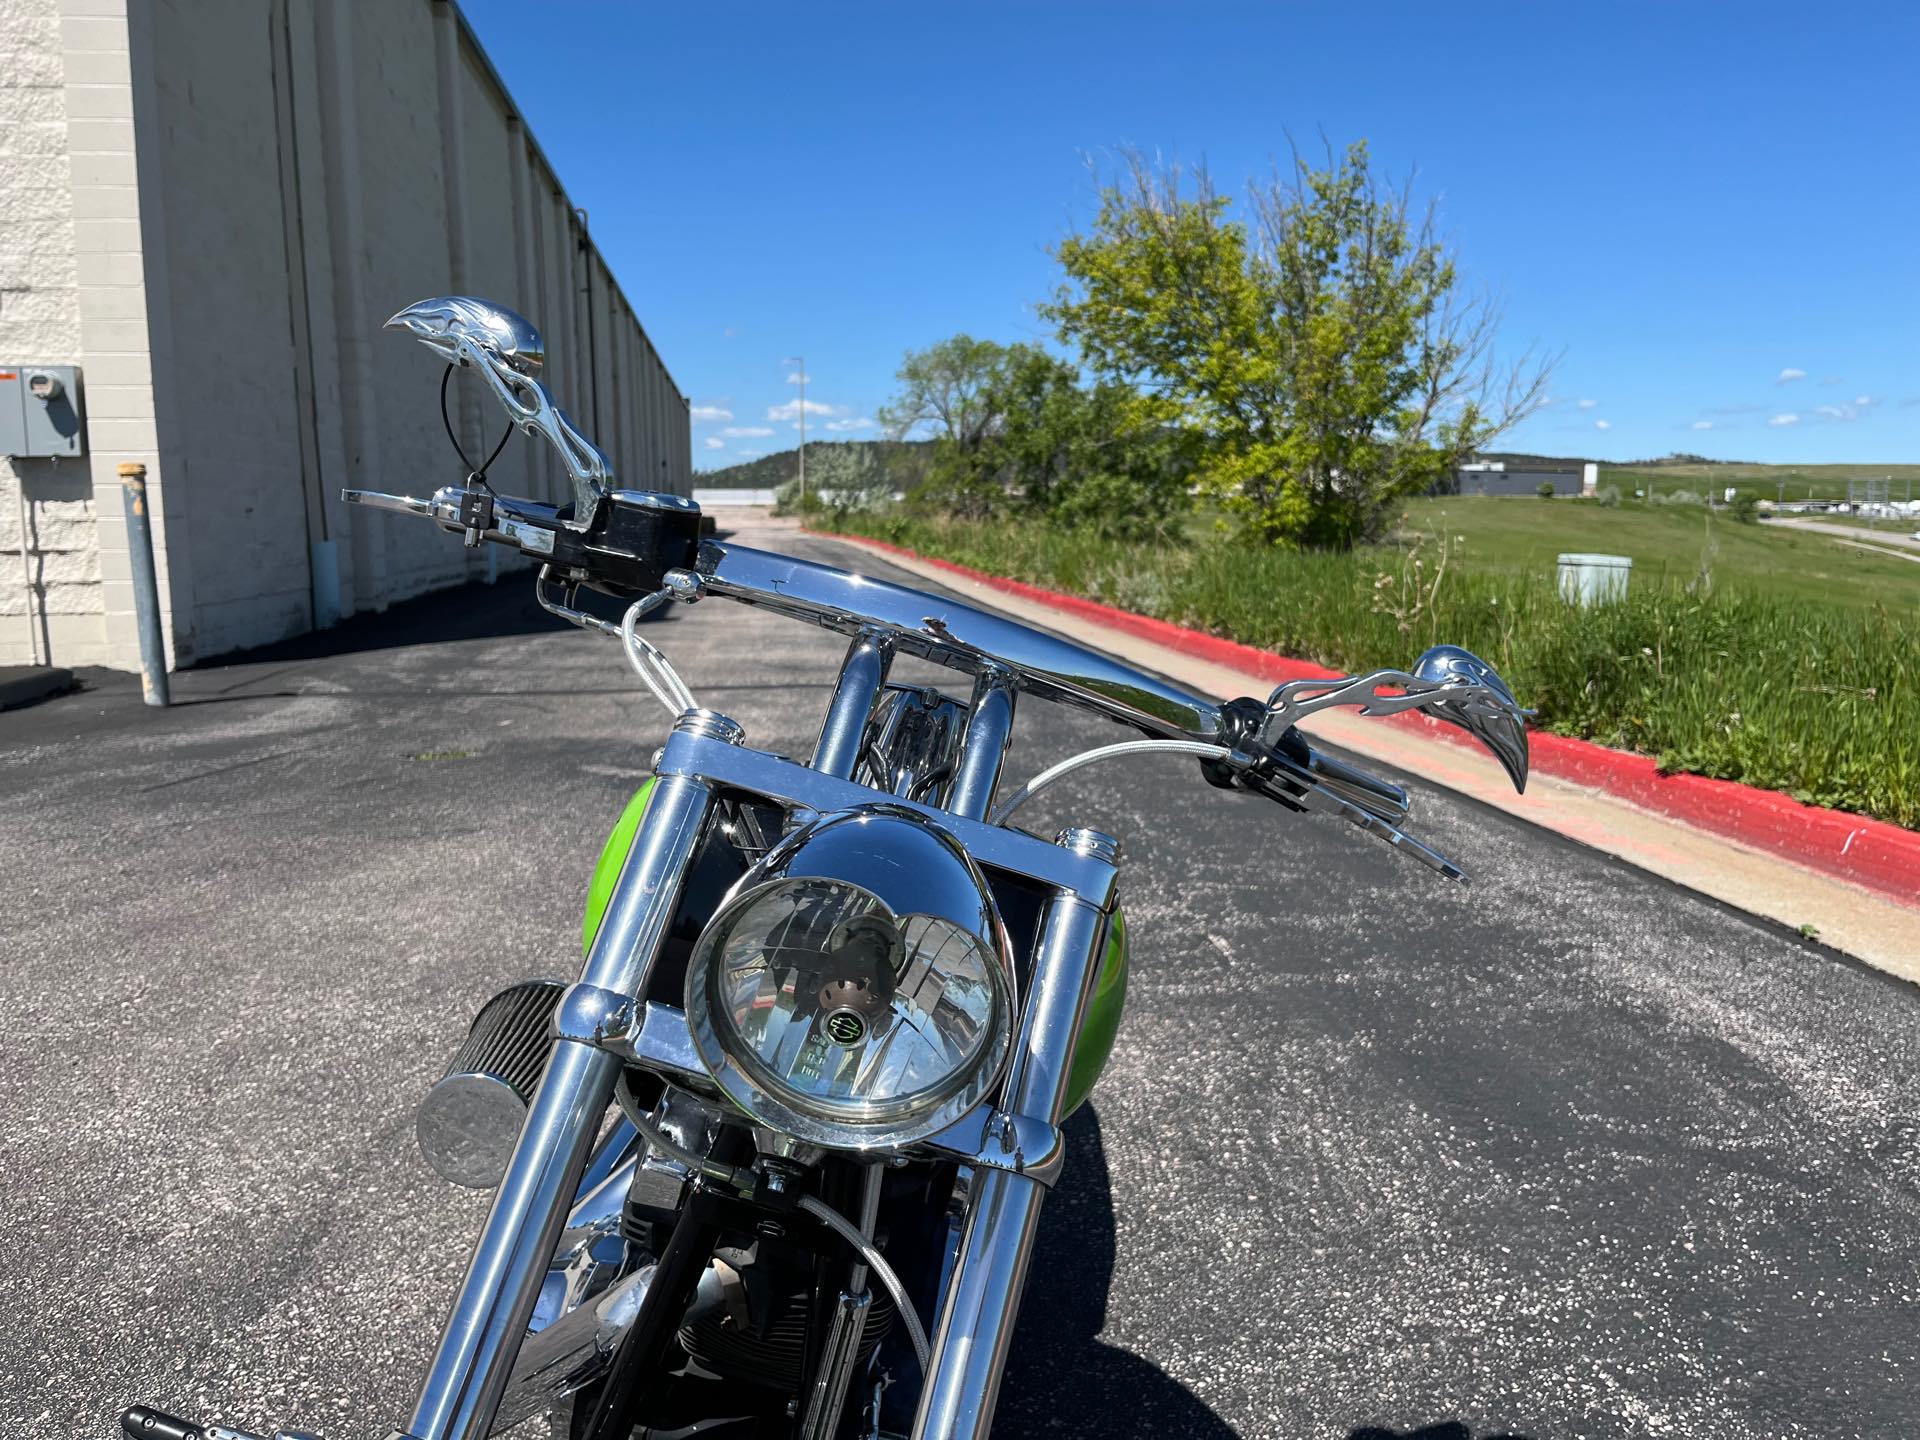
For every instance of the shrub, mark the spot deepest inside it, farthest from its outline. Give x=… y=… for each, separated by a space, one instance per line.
x=1545 y=490
x=1746 y=509
x=1609 y=496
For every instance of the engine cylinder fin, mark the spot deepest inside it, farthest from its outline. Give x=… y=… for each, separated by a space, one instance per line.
x=771 y=1355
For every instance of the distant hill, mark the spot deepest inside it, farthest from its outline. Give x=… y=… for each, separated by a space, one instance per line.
x=907 y=458
x=1533 y=464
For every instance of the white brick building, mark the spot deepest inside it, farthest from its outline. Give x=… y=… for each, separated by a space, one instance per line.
x=211 y=207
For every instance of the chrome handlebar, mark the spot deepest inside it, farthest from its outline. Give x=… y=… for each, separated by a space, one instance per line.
x=958 y=636
x=642 y=541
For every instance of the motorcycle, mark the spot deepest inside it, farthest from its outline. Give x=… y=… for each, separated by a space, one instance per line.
x=773 y=1165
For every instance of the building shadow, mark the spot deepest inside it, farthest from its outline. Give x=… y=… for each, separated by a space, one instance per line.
x=1061 y=1376
x=475 y=611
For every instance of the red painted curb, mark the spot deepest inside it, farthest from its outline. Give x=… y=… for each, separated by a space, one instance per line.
x=1872 y=853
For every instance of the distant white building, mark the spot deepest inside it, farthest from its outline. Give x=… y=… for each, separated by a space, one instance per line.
x=210 y=208
x=1496 y=477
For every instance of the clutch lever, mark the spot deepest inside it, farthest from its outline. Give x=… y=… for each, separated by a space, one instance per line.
x=398 y=504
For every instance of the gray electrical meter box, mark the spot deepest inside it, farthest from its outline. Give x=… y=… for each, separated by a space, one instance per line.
x=41 y=413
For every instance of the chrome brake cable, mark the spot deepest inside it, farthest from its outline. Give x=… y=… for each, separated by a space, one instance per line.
x=656 y=672
x=859 y=1240
x=1105 y=752
x=882 y=1271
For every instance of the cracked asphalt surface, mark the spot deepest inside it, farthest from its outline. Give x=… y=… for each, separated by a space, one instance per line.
x=1568 y=1153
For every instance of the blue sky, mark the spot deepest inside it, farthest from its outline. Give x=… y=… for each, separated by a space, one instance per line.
x=1713 y=210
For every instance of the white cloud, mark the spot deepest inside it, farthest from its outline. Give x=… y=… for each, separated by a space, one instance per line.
x=713 y=444
x=1859 y=407
x=1603 y=424
x=709 y=414
x=1784 y=420
x=860 y=424
x=1789 y=374
x=793 y=408
x=1586 y=404
x=794 y=377
x=741 y=432
x=1703 y=424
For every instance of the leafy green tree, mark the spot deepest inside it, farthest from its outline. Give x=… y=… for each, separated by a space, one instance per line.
x=1015 y=433
x=951 y=392
x=1321 y=351
x=945 y=390
x=1098 y=456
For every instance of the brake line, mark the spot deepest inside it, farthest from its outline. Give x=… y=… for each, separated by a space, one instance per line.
x=1106 y=752
x=876 y=1262
x=824 y=1213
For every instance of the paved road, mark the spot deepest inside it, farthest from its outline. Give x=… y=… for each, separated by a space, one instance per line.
x=1569 y=1153
x=1897 y=540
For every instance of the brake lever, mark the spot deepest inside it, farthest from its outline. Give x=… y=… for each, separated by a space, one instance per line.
x=1290 y=772
x=1299 y=788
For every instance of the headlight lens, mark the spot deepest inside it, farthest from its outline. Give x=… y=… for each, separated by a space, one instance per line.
x=855 y=1014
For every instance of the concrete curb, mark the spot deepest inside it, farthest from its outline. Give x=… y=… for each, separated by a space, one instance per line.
x=1870 y=853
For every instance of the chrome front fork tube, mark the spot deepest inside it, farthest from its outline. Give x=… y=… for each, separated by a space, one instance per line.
x=471 y=1368
x=983 y=1297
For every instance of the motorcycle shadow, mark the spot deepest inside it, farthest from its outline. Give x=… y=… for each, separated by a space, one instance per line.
x=1061 y=1376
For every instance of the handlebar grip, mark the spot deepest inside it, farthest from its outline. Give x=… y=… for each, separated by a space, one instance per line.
x=635 y=538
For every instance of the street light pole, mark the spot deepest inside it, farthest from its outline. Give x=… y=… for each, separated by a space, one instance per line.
x=801 y=362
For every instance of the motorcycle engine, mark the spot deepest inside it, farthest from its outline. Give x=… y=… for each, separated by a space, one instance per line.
x=758 y=1335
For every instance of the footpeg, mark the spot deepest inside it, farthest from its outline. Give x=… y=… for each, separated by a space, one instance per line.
x=142 y=1422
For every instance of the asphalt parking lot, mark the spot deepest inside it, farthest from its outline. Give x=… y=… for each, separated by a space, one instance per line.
x=1568 y=1153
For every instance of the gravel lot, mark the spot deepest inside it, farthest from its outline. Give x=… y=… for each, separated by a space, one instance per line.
x=1568 y=1153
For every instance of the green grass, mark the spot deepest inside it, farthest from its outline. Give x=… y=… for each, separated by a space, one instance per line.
x=1796 y=669
x=1523 y=536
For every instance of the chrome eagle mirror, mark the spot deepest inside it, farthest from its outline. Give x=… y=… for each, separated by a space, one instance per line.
x=1472 y=695
x=1447 y=682
x=508 y=354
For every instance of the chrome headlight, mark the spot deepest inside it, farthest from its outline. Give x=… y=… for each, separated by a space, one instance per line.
x=855 y=990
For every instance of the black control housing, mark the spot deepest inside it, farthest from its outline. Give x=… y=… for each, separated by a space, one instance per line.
x=632 y=544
